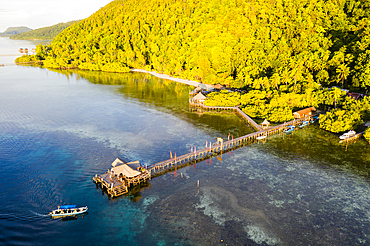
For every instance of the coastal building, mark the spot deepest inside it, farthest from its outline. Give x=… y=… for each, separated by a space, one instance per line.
x=199 y=98
x=121 y=176
x=304 y=112
x=219 y=87
x=265 y=124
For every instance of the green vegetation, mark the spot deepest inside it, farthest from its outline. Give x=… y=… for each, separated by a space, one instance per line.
x=351 y=114
x=10 y=31
x=45 y=33
x=283 y=53
x=41 y=51
x=223 y=99
x=367 y=134
x=268 y=45
x=339 y=120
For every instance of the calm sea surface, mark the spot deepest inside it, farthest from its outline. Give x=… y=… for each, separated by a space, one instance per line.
x=60 y=128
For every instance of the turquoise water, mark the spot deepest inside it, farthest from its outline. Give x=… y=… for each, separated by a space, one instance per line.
x=60 y=128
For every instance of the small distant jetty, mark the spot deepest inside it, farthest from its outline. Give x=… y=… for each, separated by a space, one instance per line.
x=123 y=175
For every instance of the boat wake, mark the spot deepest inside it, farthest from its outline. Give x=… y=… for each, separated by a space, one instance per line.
x=22 y=217
x=38 y=214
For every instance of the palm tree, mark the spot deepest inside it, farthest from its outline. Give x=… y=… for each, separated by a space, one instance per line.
x=342 y=73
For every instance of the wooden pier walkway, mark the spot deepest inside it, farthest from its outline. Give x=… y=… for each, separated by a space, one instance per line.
x=217 y=149
x=236 y=109
x=119 y=185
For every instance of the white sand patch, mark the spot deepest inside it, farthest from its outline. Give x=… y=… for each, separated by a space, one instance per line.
x=258 y=235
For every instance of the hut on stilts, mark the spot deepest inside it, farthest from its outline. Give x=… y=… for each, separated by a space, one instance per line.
x=122 y=176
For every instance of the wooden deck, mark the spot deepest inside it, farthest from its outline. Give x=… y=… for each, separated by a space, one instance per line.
x=115 y=186
x=217 y=149
x=236 y=109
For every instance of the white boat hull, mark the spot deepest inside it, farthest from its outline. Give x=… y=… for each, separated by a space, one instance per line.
x=59 y=213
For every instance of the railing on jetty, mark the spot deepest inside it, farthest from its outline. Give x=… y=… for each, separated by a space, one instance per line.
x=235 y=109
x=116 y=186
x=216 y=149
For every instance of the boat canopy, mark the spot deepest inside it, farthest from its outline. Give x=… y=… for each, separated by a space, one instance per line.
x=67 y=206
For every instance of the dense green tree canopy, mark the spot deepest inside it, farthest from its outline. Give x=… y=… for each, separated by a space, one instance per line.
x=282 y=52
x=256 y=43
x=45 y=33
x=367 y=134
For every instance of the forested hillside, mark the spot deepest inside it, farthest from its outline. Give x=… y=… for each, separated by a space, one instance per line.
x=45 y=33
x=10 y=31
x=257 y=43
x=283 y=52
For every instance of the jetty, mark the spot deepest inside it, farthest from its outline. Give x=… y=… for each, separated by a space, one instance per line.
x=235 y=109
x=117 y=180
x=218 y=148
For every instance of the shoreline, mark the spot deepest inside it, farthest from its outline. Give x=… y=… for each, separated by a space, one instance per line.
x=165 y=76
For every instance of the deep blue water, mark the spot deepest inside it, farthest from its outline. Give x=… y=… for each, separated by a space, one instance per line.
x=60 y=128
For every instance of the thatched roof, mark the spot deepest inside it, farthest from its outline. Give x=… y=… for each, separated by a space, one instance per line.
x=265 y=122
x=134 y=165
x=125 y=170
x=199 y=96
x=117 y=161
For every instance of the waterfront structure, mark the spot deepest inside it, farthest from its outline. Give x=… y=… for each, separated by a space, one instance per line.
x=199 y=98
x=121 y=176
x=117 y=181
x=265 y=124
x=304 y=112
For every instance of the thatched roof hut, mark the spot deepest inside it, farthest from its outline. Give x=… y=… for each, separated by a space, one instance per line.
x=125 y=169
x=265 y=124
x=199 y=97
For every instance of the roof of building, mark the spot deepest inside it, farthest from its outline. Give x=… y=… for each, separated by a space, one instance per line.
x=134 y=165
x=305 y=111
x=219 y=86
x=355 y=95
x=116 y=161
x=125 y=170
x=265 y=122
x=199 y=96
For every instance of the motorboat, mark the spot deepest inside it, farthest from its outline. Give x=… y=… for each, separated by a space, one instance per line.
x=314 y=119
x=347 y=135
x=261 y=137
x=303 y=124
x=289 y=129
x=67 y=210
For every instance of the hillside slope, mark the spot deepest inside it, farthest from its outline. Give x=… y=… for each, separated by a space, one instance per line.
x=10 y=31
x=45 y=33
x=256 y=43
